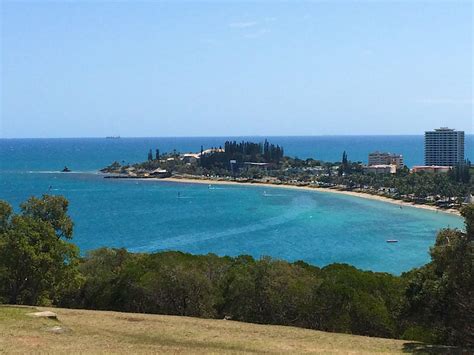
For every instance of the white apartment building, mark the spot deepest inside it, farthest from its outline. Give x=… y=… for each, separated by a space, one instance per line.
x=444 y=147
x=382 y=158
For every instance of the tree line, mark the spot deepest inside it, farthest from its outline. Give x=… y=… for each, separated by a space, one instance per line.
x=461 y=172
x=420 y=185
x=242 y=152
x=457 y=183
x=265 y=152
x=39 y=265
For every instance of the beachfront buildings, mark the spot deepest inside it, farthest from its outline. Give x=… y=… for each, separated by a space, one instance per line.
x=444 y=147
x=382 y=158
x=381 y=169
x=430 y=169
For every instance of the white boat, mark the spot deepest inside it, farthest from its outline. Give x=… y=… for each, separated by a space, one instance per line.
x=392 y=241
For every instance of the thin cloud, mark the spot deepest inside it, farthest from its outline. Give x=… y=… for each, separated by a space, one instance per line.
x=445 y=101
x=243 y=24
x=257 y=34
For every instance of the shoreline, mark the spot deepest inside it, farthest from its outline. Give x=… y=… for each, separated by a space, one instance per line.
x=307 y=188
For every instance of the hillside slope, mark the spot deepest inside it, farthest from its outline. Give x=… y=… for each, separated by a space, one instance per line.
x=113 y=332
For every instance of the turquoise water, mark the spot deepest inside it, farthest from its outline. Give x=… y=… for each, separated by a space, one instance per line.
x=317 y=227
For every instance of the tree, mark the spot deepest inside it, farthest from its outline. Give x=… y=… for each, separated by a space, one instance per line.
x=37 y=264
x=157 y=154
x=440 y=295
x=5 y=214
x=468 y=214
x=102 y=290
x=461 y=172
x=52 y=210
x=344 y=168
x=150 y=155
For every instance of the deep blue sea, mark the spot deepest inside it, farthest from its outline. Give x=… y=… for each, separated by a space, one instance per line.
x=317 y=227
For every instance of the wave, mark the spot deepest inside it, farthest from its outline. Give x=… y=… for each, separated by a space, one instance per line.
x=89 y=172
x=186 y=239
x=273 y=195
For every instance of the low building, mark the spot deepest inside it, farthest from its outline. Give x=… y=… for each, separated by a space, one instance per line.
x=430 y=169
x=249 y=164
x=211 y=151
x=190 y=158
x=381 y=169
x=130 y=171
x=383 y=158
x=160 y=173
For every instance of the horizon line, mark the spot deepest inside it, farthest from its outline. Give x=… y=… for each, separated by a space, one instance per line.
x=229 y=136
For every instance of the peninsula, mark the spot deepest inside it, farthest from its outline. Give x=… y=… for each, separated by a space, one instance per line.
x=265 y=164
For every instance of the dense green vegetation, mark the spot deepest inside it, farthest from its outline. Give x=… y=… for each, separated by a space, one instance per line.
x=241 y=152
x=37 y=263
x=434 y=303
x=419 y=186
x=452 y=186
x=212 y=161
x=440 y=295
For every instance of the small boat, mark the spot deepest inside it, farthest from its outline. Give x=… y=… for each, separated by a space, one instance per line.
x=112 y=137
x=66 y=170
x=392 y=241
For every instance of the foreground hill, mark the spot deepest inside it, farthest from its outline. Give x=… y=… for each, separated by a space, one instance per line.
x=114 y=332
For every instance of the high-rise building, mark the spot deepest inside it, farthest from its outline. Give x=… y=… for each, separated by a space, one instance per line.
x=380 y=158
x=444 y=147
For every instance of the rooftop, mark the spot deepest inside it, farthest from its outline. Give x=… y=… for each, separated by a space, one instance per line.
x=431 y=167
x=444 y=129
x=381 y=166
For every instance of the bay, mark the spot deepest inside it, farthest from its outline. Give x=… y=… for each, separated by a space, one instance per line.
x=146 y=216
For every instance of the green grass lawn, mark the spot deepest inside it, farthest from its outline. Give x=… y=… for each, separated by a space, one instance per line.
x=113 y=332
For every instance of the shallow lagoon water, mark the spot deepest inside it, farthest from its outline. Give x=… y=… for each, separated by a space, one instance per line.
x=317 y=227
x=144 y=216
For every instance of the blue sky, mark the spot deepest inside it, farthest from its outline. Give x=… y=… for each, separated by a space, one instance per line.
x=85 y=69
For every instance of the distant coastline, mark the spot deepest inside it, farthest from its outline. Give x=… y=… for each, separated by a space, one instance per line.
x=385 y=177
x=202 y=180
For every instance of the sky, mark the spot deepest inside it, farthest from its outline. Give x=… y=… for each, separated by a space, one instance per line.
x=188 y=68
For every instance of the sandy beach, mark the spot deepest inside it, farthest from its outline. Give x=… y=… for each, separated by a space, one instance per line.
x=308 y=188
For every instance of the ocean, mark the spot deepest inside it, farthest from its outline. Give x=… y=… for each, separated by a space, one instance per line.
x=146 y=216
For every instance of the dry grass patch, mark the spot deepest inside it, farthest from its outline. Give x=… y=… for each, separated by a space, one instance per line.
x=114 y=332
